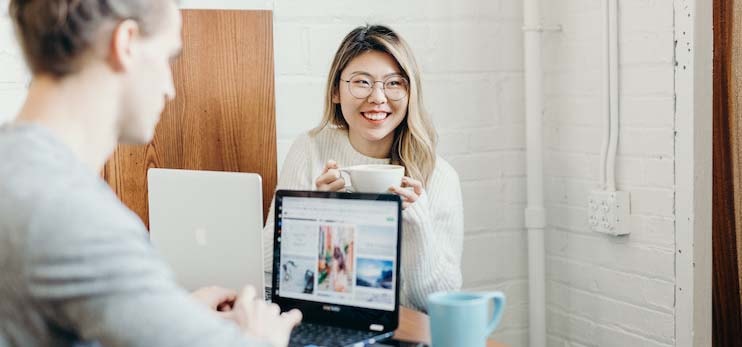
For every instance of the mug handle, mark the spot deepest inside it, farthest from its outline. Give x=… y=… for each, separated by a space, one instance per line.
x=498 y=299
x=345 y=175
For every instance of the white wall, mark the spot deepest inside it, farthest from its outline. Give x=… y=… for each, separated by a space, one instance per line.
x=13 y=74
x=693 y=154
x=601 y=290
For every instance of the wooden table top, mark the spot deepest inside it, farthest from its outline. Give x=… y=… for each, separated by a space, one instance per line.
x=413 y=326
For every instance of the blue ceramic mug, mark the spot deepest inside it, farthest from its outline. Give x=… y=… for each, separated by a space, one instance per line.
x=463 y=319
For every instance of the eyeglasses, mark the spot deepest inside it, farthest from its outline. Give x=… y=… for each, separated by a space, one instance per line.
x=361 y=86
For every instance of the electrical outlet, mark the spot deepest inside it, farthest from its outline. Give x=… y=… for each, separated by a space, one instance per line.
x=609 y=212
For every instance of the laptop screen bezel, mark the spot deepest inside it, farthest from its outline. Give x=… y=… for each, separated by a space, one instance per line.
x=358 y=318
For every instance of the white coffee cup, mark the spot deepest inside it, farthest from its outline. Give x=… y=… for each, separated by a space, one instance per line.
x=372 y=178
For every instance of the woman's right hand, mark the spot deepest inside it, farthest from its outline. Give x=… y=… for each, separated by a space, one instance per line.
x=330 y=180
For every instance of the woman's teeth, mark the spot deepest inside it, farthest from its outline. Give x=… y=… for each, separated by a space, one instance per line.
x=375 y=116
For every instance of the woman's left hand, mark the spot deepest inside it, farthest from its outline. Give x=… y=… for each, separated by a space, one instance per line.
x=409 y=196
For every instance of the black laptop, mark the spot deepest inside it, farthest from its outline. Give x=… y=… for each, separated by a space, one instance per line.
x=336 y=258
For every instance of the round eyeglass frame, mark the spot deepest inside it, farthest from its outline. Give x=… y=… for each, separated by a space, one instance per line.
x=373 y=84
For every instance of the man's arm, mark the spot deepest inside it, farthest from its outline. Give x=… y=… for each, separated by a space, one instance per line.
x=95 y=275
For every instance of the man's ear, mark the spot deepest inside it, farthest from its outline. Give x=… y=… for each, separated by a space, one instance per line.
x=121 y=49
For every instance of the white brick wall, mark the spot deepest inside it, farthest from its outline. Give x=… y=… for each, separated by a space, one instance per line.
x=601 y=291
x=13 y=73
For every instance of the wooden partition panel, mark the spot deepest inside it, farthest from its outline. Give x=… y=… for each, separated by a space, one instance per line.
x=223 y=117
x=727 y=181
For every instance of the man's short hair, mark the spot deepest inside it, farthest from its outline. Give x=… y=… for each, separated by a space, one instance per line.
x=55 y=35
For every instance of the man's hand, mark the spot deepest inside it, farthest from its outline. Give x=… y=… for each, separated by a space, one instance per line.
x=218 y=299
x=264 y=320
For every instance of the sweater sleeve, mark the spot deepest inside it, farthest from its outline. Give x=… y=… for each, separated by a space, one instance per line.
x=295 y=174
x=433 y=229
x=95 y=275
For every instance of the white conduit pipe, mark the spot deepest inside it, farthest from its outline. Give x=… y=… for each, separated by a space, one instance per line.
x=606 y=103
x=535 y=216
x=611 y=98
x=614 y=94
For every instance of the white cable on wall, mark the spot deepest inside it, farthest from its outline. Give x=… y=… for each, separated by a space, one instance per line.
x=614 y=94
x=609 y=146
x=606 y=101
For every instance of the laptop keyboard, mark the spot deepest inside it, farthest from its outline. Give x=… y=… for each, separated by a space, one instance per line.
x=308 y=334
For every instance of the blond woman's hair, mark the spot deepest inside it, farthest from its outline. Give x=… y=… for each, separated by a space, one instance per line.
x=415 y=138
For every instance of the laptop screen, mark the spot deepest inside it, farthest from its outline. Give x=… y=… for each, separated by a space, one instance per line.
x=337 y=250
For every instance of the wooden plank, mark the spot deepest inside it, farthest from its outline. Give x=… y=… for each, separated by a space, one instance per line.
x=726 y=285
x=414 y=326
x=223 y=117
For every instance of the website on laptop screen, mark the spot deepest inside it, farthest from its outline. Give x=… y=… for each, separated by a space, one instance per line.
x=338 y=251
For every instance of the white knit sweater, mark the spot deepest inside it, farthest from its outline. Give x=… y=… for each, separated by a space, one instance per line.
x=432 y=227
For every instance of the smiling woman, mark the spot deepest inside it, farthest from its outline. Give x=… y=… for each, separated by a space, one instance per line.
x=377 y=52
x=374 y=114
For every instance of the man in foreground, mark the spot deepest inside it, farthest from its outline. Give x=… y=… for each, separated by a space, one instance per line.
x=76 y=264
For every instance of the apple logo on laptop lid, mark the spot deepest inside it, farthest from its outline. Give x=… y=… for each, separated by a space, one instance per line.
x=200 y=234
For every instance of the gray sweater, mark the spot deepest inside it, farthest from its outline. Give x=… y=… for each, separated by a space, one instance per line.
x=76 y=265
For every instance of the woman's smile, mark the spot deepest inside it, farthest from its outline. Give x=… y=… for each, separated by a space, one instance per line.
x=376 y=117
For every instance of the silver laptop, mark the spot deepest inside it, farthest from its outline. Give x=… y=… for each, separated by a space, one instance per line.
x=207 y=225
